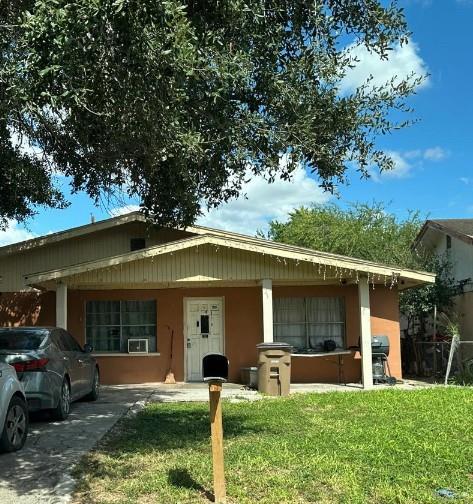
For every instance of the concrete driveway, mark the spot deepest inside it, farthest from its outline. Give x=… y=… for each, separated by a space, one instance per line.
x=40 y=472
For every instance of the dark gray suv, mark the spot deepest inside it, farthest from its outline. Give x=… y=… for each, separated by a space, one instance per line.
x=52 y=367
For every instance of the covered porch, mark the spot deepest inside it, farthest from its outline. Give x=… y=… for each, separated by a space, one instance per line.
x=237 y=286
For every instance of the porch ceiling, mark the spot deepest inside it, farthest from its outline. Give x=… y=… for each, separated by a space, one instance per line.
x=210 y=259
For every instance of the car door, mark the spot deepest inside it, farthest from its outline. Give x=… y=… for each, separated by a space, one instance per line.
x=85 y=364
x=71 y=362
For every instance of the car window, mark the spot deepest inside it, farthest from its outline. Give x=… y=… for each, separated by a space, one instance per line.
x=60 y=342
x=70 y=342
x=22 y=339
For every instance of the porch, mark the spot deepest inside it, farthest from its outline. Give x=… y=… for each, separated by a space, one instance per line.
x=246 y=319
x=228 y=294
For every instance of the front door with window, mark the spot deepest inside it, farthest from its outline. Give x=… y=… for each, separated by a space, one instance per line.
x=203 y=332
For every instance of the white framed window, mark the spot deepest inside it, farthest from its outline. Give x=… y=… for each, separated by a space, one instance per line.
x=307 y=322
x=109 y=324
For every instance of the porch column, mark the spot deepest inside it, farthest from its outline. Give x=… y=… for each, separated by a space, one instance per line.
x=61 y=306
x=267 y=289
x=365 y=333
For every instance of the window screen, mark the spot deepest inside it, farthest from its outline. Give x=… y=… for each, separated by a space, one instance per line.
x=109 y=324
x=305 y=323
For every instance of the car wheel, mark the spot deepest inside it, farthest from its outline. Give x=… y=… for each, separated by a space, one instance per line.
x=94 y=393
x=15 y=429
x=61 y=411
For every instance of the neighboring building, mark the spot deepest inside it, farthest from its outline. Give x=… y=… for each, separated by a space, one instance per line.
x=454 y=238
x=124 y=279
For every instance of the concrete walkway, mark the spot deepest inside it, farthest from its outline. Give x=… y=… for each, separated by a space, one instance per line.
x=184 y=392
x=190 y=392
x=40 y=472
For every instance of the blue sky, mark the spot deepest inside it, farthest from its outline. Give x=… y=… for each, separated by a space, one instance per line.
x=433 y=157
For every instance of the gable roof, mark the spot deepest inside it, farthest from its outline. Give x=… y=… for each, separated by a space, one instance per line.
x=93 y=227
x=459 y=228
x=74 y=232
x=202 y=236
x=244 y=243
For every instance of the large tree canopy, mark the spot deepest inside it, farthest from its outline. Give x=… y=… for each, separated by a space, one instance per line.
x=372 y=233
x=174 y=101
x=365 y=231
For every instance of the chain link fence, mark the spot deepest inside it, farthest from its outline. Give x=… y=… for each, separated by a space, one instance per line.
x=429 y=359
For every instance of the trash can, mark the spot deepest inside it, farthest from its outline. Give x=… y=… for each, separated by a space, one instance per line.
x=249 y=376
x=274 y=368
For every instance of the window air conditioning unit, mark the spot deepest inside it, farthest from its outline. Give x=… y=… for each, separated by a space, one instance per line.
x=138 y=346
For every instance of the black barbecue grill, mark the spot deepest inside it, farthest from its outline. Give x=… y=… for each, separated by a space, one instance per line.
x=380 y=352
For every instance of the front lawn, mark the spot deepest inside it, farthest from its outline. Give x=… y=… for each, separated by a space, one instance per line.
x=386 y=446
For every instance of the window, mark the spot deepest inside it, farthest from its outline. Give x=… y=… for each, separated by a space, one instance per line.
x=449 y=242
x=137 y=244
x=66 y=342
x=22 y=339
x=305 y=323
x=109 y=324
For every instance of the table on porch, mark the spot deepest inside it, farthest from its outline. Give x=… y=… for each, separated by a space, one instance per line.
x=340 y=354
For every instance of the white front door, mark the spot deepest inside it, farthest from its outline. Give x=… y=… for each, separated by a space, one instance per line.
x=203 y=332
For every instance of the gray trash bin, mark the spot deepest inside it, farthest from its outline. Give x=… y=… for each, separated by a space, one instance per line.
x=249 y=376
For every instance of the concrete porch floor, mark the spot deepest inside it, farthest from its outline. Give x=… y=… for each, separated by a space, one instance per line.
x=184 y=392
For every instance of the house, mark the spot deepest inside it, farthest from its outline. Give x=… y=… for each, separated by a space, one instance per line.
x=454 y=238
x=124 y=286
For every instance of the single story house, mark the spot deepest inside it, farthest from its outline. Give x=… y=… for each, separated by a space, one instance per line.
x=134 y=291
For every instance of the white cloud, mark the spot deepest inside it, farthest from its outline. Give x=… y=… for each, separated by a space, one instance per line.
x=26 y=147
x=413 y=154
x=435 y=154
x=401 y=168
x=22 y=143
x=13 y=234
x=265 y=202
x=403 y=60
x=115 y=212
x=405 y=161
x=465 y=180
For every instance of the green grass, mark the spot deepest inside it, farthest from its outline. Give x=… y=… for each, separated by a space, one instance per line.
x=386 y=446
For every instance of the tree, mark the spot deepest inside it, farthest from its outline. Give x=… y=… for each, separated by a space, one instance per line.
x=365 y=231
x=418 y=304
x=175 y=102
x=370 y=232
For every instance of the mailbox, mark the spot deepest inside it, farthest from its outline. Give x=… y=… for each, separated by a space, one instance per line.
x=215 y=367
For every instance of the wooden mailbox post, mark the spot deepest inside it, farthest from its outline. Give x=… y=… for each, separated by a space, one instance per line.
x=215 y=373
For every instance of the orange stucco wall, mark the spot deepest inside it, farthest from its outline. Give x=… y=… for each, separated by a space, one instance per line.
x=243 y=328
x=385 y=321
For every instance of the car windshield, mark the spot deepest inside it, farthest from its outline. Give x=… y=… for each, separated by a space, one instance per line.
x=21 y=339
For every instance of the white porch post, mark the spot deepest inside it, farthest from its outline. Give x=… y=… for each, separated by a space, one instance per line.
x=267 y=289
x=365 y=333
x=61 y=305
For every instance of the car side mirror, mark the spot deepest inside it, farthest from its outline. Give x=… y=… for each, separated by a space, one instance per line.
x=88 y=348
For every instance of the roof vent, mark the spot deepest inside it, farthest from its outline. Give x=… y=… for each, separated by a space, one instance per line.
x=137 y=244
